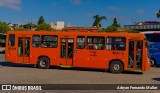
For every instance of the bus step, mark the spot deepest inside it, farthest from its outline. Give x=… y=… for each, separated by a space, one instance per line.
x=64 y=66
x=139 y=71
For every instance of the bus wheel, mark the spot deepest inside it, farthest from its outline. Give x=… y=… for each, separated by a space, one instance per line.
x=152 y=61
x=116 y=67
x=43 y=63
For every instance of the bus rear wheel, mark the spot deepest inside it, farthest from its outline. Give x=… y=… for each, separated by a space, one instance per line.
x=116 y=67
x=43 y=63
x=152 y=61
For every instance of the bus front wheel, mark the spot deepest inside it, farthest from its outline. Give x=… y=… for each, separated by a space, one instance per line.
x=43 y=63
x=116 y=67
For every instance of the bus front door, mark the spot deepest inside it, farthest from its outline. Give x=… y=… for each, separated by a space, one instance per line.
x=66 y=52
x=135 y=54
x=23 y=50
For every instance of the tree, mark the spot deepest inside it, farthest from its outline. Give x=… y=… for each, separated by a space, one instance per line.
x=98 y=19
x=158 y=14
x=28 y=26
x=3 y=27
x=43 y=26
x=111 y=29
x=41 y=20
x=115 y=23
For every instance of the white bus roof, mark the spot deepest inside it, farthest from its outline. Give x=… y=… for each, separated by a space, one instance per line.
x=2 y=34
x=150 y=32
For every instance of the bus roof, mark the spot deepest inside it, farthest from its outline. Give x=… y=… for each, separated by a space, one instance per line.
x=2 y=34
x=119 y=34
x=151 y=32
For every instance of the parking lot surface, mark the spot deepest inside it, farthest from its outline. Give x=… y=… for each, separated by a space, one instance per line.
x=27 y=74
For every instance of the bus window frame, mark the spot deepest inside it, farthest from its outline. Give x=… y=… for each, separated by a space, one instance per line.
x=10 y=45
x=106 y=44
x=41 y=42
x=103 y=44
x=83 y=42
x=36 y=41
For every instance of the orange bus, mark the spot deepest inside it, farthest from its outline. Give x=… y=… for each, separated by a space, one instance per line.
x=114 y=51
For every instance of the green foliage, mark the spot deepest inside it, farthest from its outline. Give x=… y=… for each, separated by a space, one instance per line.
x=111 y=29
x=102 y=30
x=132 y=31
x=41 y=20
x=43 y=26
x=3 y=27
x=28 y=26
x=115 y=23
x=158 y=14
x=97 y=20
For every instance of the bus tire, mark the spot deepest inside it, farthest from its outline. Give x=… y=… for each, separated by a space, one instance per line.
x=116 y=67
x=43 y=63
x=153 y=63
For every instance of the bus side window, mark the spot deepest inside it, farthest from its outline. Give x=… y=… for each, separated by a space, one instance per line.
x=20 y=47
x=35 y=40
x=139 y=50
x=96 y=43
x=80 y=42
x=49 y=41
x=11 y=41
x=115 y=43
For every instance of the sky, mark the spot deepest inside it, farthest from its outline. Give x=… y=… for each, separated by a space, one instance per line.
x=78 y=12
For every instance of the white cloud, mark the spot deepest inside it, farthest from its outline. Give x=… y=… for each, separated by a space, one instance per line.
x=113 y=8
x=140 y=11
x=76 y=2
x=12 y=4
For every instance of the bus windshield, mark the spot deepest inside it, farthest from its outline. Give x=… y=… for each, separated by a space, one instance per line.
x=154 y=47
x=153 y=37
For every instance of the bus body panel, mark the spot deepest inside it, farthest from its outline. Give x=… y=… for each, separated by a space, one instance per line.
x=90 y=58
x=52 y=54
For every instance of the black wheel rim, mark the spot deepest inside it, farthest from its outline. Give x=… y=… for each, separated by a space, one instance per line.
x=152 y=62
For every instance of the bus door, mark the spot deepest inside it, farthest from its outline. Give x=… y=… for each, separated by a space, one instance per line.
x=23 y=50
x=66 y=51
x=135 y=54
